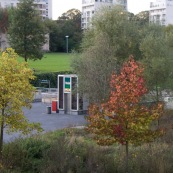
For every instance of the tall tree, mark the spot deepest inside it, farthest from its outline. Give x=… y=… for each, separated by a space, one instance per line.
x=169 y=35
x=16 y=93
x=123 y=119
x=112 y=38
x=70 y=14
x=26 y=31
x=157 y=59
x=68 y=23
x=3 y=20
x=142 y=18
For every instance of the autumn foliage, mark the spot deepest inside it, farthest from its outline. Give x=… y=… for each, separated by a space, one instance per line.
x=124 y=119
x=16 y=92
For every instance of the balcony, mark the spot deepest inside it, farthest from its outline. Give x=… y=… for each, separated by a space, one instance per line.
x=87 y=1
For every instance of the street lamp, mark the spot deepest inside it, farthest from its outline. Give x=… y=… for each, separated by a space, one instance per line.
x=67 y=43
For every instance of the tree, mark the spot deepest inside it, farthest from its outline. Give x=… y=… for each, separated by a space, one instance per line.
x=105 y=46
x=26 y=31
x=123 y=118
x=68 y=23
x=157 y=59
x=117 y=27
x=70 y=14
x=169 y=35
x=3 y=20
x=16 y=93
x=94 y=70
x=142 y=18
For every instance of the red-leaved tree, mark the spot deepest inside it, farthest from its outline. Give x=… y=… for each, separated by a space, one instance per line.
x=124 y=119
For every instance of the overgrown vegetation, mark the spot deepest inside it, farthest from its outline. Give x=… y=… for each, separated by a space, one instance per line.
x=74 y=151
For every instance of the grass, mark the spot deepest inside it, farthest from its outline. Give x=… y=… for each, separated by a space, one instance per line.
x=51 y=62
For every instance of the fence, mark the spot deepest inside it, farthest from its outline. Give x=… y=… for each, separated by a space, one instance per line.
x=45 y=95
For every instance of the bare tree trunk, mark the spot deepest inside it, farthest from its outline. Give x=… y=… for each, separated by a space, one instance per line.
x=25 y=58
x=2 y=134
x=25 y=42
x=157 y=100
x=127 y=157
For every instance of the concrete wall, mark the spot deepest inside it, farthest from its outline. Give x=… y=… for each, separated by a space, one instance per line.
x=5 y=44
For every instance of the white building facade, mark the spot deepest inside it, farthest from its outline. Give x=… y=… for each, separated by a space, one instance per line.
x=161 y=12
x=44 y=6
x=89 y=7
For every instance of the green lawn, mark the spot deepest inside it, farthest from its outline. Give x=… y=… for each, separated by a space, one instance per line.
x=52 y=62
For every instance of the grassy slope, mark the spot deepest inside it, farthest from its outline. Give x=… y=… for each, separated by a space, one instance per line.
x=52 y=62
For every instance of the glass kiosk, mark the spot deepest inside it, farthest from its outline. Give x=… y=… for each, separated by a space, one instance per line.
x=69 y=101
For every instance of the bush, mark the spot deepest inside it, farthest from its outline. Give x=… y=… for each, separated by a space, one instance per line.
x=73 y=151
x=47 y=76
x=62 y=157
x=24 y=154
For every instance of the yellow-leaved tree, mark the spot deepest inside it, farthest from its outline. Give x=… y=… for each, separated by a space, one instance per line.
x=16 y=92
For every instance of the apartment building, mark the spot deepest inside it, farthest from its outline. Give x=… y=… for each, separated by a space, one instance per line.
x=44 y=6
x=161 y=12
x=89 y=7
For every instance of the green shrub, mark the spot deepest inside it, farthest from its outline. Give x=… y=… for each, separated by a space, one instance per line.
x=61 y=158
x=24 y=154
x=47 y=76
x=73 y=151
x=76 y=155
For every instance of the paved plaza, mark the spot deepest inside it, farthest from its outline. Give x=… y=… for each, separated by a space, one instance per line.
x=53 y=121
x=49 y=122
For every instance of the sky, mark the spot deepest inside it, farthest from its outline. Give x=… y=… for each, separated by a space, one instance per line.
x=61 y=6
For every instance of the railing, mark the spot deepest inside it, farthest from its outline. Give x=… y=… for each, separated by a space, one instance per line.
x=45 y=95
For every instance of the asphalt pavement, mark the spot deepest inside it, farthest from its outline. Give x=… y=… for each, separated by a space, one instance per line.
x=49 y=122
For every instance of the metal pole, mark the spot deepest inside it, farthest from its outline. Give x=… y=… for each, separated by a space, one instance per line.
x=67 y=43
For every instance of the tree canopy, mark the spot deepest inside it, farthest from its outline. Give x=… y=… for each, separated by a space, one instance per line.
x=110 y=40
x=16 y=93
x=115 y=35
x=123 y=119
x=26 y=31
x=142 y=18
x=68 y=23
x=157 y=59
x=4 y=18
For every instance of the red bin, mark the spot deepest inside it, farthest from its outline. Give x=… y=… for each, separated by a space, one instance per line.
x=54 y=106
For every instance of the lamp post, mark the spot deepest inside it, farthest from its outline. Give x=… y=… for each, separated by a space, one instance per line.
x=67 y=43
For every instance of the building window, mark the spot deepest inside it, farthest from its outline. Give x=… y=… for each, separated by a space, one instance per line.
x=88 y=13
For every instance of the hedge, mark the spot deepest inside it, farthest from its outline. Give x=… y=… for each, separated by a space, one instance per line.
x=47 y=76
